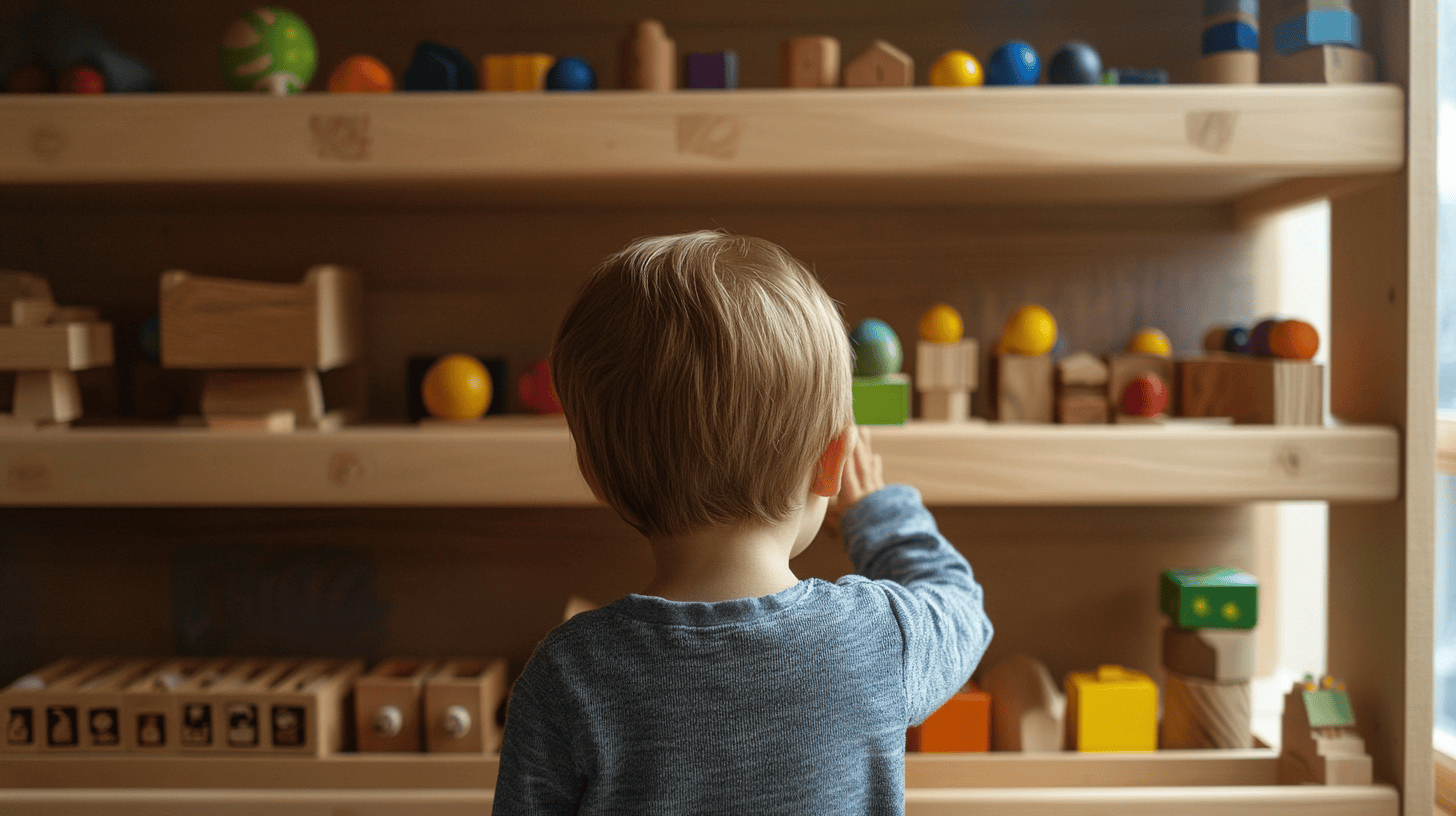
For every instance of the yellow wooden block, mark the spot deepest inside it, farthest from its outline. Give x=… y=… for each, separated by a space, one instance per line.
x=515 y=72
x=1112 y=709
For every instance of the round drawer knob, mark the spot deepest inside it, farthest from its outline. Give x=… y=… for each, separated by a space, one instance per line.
x=388 y=721
x=457 y=721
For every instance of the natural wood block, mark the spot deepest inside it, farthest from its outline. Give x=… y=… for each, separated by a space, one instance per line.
x=149 y=722
x=31 y=311
x=225 y=707
x=1028 y=711
x=515 y=72
x=1255 y=390
x=963 y=723
x=240 y=397
x=945 y=406
x=1229 y=68
x=24 y=702
x=78 y=711
x=947 y=366
x=1076 y=406
x=69 y=346
x=461 y=700
x=880 y=66
x=306 y=707
x=1199 y=713
x=1324 y=63
x=809 y=62
x=1209 y=654
x=46 y=396
x=1081 y=370
x=389 y=705
x=226 y=323
x=1322 y=756
x=1023 y=387
x=649 y=58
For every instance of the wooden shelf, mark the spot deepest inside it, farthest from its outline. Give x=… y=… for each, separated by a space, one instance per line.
x=1168 y=144
x=1198 y=782
x=528 y=461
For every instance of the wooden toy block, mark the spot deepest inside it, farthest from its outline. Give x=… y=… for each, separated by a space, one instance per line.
x=1113 y=709
x=78 y=711
x=515 y=72
x=389 y=705
x=946 y=374
x=1081 y=389
x=1200 y=713
x=809 y=62
x=881 y=400
x=1255 y=390
x=43 y=397
x=962 y=724
x=1229 y=68
x=24 y=705
x=1029 y=710
x=880 y=66
x=1330 y=64
x=1331 y=26
x=1209 y=598
x=149 y=704
x=234 y=324
x=306 y=709
x=225 y=707
x=1234 y=34
x=712 y=70
x=1024 y=386
x=461 y=700
x=1289 y=9
x=59 y=346
x=1318 y=741
x=1209 y=654
x=649 y=58
x=264 y=400
x=1126 y=367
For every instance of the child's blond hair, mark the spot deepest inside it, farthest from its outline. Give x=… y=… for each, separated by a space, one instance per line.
x=702 y=376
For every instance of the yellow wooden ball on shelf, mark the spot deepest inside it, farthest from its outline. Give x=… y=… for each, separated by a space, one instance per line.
x=956 y=69
x=1150 y=341
x=941 y=324
x=457 y=386
x=1031 y=331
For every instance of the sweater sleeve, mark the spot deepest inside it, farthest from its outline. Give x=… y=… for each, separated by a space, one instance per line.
x=893 y=540
x=538 y=775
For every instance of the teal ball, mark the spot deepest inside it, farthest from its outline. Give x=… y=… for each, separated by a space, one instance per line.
x=876 y=348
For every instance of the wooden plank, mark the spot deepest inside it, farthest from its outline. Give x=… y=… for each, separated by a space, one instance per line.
x=876 y=139
x=1069 y=769
x=246 y=803
x=528 y=461
x=1286 y=800
x=341 y=771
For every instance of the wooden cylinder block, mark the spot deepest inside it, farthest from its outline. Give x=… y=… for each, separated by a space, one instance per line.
x=1230 y=68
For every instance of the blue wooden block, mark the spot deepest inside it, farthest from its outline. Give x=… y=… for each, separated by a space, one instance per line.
x=1231 y=36
x=436 y=67
x=1333 y=27
x=1218 y=8
x=717 y=69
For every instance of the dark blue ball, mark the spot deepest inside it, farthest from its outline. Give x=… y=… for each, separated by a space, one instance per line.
x=571 y=74
x=1237 y=340
x=1014 y=63
x=1259 y=337
x=1075 y=63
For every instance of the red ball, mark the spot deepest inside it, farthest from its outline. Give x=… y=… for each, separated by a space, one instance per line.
x=1146 y=396
x=535 y=391
x=82 y=79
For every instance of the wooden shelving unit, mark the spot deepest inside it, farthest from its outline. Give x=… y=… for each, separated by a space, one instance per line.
x=472 y=217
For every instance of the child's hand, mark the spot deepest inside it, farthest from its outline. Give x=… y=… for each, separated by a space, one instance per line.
x=863 y=473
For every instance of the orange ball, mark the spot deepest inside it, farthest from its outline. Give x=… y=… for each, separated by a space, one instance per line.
x=1293 y=340
x=457 y=386
x=361 y=73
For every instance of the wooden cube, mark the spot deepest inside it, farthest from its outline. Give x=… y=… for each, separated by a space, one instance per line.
x=945 y=375
x=1209 y=598
x=649 y=58
x=1209 y=654
x=880 y=66
x=225 y=323
x=24 y=705
x=1113 y=709
x=1023 y=386
x=461 y=700
x=809 y=62
x=1329 y=64
x=1255 y=390
x=1329 y=26
x=515 y=72
x=881 y=400
x=1081 y=388
x=1201 y=713
x=149 y=704
x=963 y=723
x=389 y=705
x=306 y=707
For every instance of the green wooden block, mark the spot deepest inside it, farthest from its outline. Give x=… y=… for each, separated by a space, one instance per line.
x=1329 y=708
x=1210 y=598
x=882 y=400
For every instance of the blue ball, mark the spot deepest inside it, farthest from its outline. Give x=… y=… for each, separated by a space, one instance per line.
x=1237 y=340
x=876 y=349
x=1075 y=63
x=1014 y=63
x=571 y=74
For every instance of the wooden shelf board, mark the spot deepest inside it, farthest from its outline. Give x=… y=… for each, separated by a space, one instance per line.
x=1184 y=143
x=529 y=461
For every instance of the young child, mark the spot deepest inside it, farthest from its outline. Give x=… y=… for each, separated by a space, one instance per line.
x=706 y=381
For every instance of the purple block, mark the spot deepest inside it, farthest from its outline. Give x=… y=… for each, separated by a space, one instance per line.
x=718 y=69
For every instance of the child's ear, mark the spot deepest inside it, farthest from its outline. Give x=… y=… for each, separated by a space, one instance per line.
x=831 y=464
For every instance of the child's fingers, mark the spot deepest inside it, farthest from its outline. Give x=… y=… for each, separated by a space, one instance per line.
x=879 y=471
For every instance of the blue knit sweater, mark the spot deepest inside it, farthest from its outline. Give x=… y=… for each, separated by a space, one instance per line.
x=793 y=703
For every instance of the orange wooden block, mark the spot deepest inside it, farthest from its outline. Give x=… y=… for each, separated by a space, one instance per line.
x=962 y=724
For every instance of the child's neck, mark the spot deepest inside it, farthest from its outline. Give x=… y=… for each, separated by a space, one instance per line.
x=723 y=564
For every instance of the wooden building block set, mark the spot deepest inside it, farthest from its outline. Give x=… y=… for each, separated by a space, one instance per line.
x=242 y=706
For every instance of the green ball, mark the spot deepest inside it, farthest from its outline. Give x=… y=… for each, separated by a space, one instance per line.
x=269 y=48
x=876 y=349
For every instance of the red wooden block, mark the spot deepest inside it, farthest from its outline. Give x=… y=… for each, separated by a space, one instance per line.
x=962 y=724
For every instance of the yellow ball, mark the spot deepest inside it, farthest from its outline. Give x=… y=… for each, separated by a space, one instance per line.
x=457 y=386
x=1030 y=331
x=956 y=69
x=1150 y=341
x=941 y=324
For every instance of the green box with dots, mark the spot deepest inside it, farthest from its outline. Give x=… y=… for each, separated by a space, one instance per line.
x=1210 y=598
x=882 y=400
